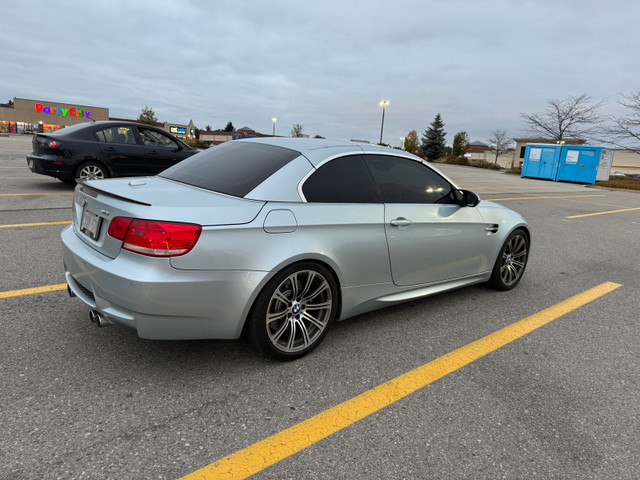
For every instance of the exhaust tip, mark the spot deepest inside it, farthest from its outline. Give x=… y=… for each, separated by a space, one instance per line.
x=99 y=319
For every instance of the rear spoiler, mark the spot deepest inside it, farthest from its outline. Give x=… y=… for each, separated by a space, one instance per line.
x=92 y=191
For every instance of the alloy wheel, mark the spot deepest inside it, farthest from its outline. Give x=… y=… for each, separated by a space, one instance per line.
x=91 y=172
x=299 y=311
x=514 y=260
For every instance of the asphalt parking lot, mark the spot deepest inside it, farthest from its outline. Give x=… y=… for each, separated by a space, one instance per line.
x=559 y=399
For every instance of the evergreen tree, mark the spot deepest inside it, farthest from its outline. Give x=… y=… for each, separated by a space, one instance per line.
x=229 y=127
x=434 y=140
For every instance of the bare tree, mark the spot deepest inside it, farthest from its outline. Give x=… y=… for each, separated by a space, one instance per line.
x=499 y=141
x=574 y=117
x=296 y=131
x=624 y=132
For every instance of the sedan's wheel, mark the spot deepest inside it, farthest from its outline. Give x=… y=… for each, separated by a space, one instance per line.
x=293 y=313
x=92 y=171
x=511 y=261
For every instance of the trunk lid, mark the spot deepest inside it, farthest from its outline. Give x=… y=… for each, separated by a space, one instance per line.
x=97 y=202
x=40 y=145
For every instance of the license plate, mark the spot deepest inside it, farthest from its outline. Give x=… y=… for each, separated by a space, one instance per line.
x=90 y=224
x=30 y=162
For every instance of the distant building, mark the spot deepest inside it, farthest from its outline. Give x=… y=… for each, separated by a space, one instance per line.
x=45 y=116
x=521 y=144
x=220 y=136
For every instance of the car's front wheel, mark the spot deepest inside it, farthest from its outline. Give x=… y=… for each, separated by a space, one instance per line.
x=293 y=312
x=511 y=261
x=92 y=171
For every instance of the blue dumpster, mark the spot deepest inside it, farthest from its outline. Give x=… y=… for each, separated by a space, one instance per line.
x=541 y=161
x=567 y=163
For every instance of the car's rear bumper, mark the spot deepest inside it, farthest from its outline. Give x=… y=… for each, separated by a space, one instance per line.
x=159 y=301
x=51 y=165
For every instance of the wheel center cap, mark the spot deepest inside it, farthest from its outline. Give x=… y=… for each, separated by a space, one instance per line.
x=295 y=308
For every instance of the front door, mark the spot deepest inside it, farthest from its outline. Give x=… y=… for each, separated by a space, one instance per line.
x=161 y=150
x=430 y=236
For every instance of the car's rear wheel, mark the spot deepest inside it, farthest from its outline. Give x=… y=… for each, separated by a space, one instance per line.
x=511 y=261
x=92 y=171
x=294 y=311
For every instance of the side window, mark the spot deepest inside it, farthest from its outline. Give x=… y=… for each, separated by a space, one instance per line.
x=402 y=180
x=343 y=180
x=116 y=135
x=153 y=138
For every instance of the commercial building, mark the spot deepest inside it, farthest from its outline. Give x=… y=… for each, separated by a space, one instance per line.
x=22 y=114
x=219 y=136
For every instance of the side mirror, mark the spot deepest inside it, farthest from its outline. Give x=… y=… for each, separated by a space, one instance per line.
x=467 y=198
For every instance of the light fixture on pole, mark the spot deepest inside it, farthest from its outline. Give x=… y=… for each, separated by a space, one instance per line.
x=383 y=104
x=274 y=120
x=401 y=143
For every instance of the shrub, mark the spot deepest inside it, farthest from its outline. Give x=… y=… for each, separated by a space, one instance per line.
x=629 y=183
x=483 y=164
x=195 y=143
x=456 y=160
x=515 y=171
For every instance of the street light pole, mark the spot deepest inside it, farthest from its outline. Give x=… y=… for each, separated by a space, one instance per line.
x=274 y=120
x=383 y=104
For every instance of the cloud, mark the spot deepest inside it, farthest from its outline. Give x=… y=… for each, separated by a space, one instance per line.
x=325 y=65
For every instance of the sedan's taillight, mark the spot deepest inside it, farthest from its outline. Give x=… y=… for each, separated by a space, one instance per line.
x=53 y=144
x=155 y=239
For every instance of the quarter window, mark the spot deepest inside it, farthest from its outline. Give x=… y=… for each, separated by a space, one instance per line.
x=402 y=180
x=343 y=180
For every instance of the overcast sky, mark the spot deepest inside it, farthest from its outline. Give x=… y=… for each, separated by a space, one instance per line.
x=323 y=64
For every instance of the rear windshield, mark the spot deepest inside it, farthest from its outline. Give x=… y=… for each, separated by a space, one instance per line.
x=234 y=168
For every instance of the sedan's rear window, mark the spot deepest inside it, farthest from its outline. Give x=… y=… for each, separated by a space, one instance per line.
x=234 y=168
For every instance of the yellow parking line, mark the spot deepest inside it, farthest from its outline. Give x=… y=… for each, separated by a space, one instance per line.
x=31 y=291
x=498 y=187
x=31 y=178
x=265 y=453
x=541 y=198
x=34 y=224
x=14 y=167
x=18 y=194
x=603 y=213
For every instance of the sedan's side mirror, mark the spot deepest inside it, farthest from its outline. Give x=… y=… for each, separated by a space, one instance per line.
x=467 y=198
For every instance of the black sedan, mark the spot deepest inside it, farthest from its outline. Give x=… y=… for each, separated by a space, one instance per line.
x=105 y=149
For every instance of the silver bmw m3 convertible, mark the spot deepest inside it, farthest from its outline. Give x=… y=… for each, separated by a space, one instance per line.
x=278 y=238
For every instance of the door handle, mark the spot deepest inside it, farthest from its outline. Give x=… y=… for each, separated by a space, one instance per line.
x=401 y=222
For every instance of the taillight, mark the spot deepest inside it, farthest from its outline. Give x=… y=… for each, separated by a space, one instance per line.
x=53 y=144
x=156 y=239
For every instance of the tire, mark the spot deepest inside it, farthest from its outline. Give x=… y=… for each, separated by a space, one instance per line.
x=511 y=261
x=294 y=311
x=91 y=171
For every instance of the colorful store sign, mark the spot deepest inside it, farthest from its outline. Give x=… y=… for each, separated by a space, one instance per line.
x=72 y=111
